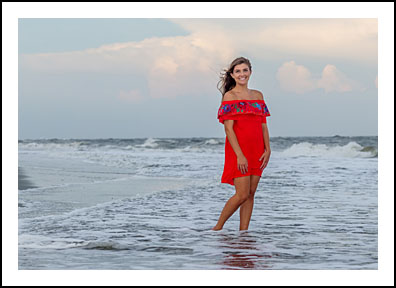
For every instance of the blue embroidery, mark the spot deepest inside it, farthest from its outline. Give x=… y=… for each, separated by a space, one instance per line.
x=243 y=107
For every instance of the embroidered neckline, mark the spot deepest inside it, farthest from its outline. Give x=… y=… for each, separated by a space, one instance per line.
x=242 y=100
x=237 y=107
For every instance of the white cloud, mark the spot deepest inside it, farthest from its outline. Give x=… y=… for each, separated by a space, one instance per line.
x=171 y=65
x=295 y=78
x=165 y=64
x=298 y=79
x=351 y=39
x=334 y=80
x=190 y=64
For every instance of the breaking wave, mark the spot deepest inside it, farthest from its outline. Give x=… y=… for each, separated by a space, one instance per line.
x=350 y=150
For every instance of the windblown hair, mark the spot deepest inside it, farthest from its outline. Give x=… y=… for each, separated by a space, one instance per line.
x=226 y=81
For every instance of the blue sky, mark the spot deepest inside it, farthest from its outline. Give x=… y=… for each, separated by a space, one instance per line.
x=50 y=35
x=157 y=77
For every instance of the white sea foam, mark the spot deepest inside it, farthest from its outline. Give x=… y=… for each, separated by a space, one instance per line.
x=149 y=143
x=78 y=145
x=27 y=241
x=212 y=142
x=350 y=150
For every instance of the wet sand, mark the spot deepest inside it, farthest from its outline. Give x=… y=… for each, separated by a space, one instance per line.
x=24 y=181
x=67 y=189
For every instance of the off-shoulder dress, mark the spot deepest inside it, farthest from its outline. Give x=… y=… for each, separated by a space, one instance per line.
x=248 y=116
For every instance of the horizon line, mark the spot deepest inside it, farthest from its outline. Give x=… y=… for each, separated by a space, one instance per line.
x=209 y=137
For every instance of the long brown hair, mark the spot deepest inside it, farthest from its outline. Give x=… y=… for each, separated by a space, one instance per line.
x=226 y=81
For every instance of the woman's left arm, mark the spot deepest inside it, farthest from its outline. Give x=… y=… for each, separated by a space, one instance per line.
x=267 y=150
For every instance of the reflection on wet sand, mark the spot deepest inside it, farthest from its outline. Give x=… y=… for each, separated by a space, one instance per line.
x=243 y=252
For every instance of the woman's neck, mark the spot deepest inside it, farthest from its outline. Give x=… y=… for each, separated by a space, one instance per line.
x=241 y=89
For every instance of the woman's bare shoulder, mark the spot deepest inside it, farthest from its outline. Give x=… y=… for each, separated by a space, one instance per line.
x=229 y=96
x=257 y=94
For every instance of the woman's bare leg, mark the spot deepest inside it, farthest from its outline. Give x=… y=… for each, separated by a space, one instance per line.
x=242 y=188
x=246 y=209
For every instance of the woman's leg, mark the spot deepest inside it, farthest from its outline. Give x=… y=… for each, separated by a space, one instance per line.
x=246 y=209
x=242 y=188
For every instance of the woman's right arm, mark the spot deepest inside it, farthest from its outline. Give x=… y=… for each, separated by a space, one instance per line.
x=241 y=159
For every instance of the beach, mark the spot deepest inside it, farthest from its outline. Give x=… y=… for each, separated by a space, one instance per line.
x=23 y=181
x=149 y=204
x=65 y=190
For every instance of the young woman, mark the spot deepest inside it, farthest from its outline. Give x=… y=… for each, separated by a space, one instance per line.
x=247 y=148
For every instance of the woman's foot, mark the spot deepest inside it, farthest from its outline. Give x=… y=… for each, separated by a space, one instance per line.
x=216 y=228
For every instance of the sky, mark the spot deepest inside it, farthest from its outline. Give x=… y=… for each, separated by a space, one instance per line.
x=157 y=77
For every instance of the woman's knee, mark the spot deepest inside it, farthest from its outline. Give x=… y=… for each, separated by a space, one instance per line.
x=253 y=185
x=242 y=186
x=242 y=197
x=251 y=194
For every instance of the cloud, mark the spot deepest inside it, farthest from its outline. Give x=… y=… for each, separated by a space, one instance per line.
x=295 y=78
x=298 y=79
x=188 y=65
x=172 y=65
x=350 y=39
x=334 y=80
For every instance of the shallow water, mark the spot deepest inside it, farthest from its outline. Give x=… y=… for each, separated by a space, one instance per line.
x=151 y=204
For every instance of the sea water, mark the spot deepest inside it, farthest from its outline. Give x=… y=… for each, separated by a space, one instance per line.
x=151 y=203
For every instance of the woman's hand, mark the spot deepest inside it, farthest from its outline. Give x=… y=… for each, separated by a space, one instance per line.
x=265 y=158
x=242 y=164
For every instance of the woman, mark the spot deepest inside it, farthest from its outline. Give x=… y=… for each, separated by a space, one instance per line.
x=247 y=149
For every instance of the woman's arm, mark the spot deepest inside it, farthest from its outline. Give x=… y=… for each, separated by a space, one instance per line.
x=241 y=159
x=267 y=148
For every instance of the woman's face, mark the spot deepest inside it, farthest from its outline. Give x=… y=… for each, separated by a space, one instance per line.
x=241 y=74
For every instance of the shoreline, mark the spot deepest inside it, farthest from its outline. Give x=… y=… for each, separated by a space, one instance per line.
x=23 y=180
x=65 y=191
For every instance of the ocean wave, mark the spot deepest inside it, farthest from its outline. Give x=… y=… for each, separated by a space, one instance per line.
x=35 y=145
x=29 y=241
x=350 y=150
x=118 y=144
x=290 y=147
x=149 y=143
x=212 y=142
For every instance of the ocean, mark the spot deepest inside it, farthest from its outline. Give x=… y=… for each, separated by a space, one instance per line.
x=150 y=204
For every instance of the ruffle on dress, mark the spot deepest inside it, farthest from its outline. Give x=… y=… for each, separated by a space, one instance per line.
x=237 y=109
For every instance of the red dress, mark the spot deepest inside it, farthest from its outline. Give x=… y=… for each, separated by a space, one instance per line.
x=248 y=116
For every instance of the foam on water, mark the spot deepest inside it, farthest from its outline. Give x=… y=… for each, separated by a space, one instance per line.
x=150 y=142
x=350 y=150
